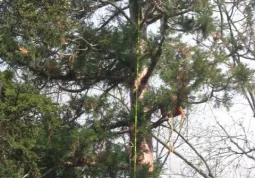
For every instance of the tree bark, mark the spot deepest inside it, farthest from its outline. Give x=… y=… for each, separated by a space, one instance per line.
x=144 y=158
x=145 y=154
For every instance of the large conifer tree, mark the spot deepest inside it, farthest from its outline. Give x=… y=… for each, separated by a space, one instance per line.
x=118 y=81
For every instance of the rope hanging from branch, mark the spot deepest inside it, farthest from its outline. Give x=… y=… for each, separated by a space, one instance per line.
x=138 y=55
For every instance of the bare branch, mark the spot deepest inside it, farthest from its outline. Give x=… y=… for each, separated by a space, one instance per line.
x=201 y=172
x=194 y=149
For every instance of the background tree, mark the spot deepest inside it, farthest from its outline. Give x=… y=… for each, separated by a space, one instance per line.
x=224 y=141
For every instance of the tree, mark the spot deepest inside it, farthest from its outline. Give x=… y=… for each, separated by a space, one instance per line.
x=25 y=115
x=222 y=143
x=100 y=57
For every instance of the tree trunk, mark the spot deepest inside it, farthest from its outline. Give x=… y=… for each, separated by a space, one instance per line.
x=144 y=153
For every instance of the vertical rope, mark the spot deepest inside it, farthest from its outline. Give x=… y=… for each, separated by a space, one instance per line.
x=138 y=52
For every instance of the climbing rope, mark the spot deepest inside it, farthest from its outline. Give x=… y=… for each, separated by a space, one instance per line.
x=138 y=54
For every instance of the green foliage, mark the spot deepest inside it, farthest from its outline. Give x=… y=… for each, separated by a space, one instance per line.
x=242 y=73
x=9 y=170
x=205 y=23
x=23 y=112
x=74 y=54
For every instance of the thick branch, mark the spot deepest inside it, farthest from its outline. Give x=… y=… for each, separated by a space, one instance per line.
x=85 y=161
x=71 y=76
x=73 y=90
x=74 y=118
x=159 y=122
x=156 y=56
x=119 y=124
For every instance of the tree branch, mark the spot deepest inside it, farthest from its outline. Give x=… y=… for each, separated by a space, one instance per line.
x=119 y=9
x=73 y=90
x=193 y=148
x=156 y=56
x=85 y=161
x=159 y=122
x=201 y=172
x=236 y=144
x=123 y=123
x=110 y=18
